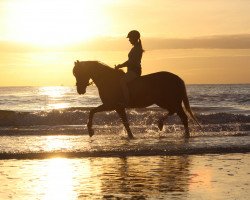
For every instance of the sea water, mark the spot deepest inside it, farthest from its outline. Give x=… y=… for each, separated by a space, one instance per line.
x=53 y=120
x=46 y=153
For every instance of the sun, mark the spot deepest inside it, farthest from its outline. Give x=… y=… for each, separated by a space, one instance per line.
x=56 y=22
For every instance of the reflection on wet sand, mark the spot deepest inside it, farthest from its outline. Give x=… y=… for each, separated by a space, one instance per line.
x=61 y=178
x=152 y=177
x=146 y=176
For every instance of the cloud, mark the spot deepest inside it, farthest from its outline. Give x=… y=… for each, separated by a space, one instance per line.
x=241 y=41
x=211 y=42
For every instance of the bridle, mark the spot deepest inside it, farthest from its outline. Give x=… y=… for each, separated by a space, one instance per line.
x=89 y=84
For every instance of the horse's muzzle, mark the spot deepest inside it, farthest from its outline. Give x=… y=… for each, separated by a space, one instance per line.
x=81 y=91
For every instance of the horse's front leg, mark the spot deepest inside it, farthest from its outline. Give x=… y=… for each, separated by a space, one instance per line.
x=91 y=115
x=121 y=112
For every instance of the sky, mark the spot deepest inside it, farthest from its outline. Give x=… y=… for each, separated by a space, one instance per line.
x=203 y=42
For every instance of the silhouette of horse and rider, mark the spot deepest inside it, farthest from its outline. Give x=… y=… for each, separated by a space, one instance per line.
x=164 y=89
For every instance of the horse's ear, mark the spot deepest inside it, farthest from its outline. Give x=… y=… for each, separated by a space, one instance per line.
x=77 y=62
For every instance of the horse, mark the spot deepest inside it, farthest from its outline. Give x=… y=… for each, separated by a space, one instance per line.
x=164 y=89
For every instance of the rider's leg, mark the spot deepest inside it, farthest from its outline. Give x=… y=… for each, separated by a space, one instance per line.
x=129 y=76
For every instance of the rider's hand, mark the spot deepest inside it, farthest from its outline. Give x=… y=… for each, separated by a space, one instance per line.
x=117 y=67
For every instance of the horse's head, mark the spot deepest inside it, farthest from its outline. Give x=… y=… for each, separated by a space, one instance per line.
x=82 y=77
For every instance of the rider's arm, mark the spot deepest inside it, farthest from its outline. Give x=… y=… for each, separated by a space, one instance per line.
x=122 y=65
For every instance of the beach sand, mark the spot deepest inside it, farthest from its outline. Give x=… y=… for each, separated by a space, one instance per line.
x=209 y=176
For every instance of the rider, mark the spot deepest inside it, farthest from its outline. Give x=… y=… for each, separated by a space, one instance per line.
x=133 y=63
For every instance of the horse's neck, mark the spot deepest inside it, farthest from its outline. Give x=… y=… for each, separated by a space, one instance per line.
x=101 y=76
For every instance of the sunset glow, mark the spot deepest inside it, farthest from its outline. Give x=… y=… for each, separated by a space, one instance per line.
x=48 y=23
x=204 y=42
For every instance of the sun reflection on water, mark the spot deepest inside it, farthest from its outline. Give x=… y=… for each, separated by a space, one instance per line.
x=55 y=96
x=53 y=143
x=59 y=105
x=53 y=91
x=59 y=180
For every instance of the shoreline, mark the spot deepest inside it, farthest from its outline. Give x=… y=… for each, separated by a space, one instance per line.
x=129 y=153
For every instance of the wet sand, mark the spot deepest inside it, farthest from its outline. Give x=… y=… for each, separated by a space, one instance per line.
x=217 y=176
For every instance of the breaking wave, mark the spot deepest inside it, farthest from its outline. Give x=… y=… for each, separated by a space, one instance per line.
x=73 y=121
x=79 y=116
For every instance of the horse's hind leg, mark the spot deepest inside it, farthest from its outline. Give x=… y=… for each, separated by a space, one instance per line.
x=184 y=119
x=121 y=112
x=162 y=119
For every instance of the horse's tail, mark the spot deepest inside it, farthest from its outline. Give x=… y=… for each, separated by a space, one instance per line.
x=187 y=105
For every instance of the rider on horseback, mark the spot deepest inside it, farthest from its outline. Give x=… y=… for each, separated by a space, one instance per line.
x=133 y=63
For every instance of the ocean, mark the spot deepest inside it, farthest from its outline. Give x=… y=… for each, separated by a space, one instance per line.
x=44 y=128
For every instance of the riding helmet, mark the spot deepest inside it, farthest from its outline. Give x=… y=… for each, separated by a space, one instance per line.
x=134 y=34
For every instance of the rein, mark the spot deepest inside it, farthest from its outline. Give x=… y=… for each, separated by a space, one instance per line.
x=89 y=84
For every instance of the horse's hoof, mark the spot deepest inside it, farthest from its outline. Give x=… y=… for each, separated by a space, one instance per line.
x=160 y=125
x=131 y=137
x=187 y=135
x=91 y=132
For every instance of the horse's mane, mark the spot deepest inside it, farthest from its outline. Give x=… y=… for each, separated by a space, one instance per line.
x=102 y=66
